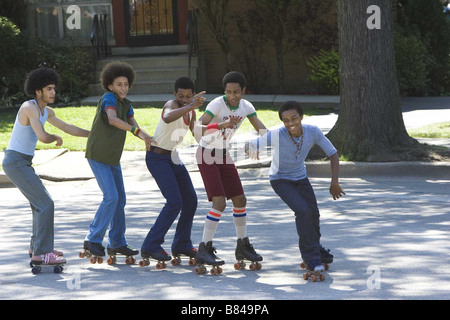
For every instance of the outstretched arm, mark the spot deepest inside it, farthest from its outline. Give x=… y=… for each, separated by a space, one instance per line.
x=66 y=127
x=335 y=188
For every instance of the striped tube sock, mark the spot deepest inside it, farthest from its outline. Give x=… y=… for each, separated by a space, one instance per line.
x=240 y=222
x=211 y=223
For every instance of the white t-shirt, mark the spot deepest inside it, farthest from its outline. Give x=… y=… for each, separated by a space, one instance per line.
x=220 y=111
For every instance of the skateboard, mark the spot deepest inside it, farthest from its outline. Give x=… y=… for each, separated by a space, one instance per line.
x=240 y=265
x=130 y=259
x=215 y=270
x=177 y=260
x=311 y=274
x=87 y=254
x=146 y=262
x=36 y=267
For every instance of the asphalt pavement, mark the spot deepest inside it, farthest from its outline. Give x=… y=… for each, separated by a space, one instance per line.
x=389 y=235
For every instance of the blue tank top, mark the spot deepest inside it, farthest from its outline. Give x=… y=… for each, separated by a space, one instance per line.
x=23 y=139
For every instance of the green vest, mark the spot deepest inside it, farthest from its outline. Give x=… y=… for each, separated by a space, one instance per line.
x=105 y=143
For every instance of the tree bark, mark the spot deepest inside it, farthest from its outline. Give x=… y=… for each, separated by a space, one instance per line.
x=370 y=125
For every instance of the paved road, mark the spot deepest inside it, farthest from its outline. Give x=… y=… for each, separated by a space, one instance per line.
x=390 y=237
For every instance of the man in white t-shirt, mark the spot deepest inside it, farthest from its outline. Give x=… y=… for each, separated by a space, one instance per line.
x=223 y=116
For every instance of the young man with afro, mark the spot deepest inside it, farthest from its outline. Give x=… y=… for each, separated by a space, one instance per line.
x=17 y=163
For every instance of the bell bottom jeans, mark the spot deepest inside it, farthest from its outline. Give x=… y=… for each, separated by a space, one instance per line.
x=176 y=187
x=111 y=212
x=17 y=167
x=299 y=196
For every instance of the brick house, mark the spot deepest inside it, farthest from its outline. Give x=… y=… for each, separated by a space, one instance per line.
x=151 y=35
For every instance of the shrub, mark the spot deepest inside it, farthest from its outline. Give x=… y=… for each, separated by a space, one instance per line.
x=325 y=71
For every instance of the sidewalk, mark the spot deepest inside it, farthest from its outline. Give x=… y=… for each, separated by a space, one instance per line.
x=61 y=165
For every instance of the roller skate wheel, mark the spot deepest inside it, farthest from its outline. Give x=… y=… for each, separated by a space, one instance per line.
x=81 y=255
x=213 y=271
x=58 y=269
x=305 y=276
x=192 y=262
x=313 y=278
x=322 y=277
x=143 y=263
x=302 y=265
x=175 y=262
x=130 y=260
x=35 y=270
x=93 y=260
x=110 y=261
x=258 y=266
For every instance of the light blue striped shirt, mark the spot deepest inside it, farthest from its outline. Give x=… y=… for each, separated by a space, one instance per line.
x=286 y=164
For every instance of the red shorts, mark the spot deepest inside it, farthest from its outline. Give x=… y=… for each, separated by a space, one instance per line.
x=219 y=173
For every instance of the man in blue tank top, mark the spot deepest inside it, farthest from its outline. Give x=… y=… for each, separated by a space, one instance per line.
x=28 y=129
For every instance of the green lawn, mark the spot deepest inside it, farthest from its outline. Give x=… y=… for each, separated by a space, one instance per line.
x=440 y=130
x=148 y=119
x=83 y=116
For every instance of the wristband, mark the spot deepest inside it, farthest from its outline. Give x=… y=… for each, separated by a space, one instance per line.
x=135 y=130
x=214 y=126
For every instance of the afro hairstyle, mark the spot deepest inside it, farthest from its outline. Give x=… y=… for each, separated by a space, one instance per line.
x=115 y=70
x=39 y=79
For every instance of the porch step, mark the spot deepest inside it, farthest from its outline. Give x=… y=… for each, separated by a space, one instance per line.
x=156 y=68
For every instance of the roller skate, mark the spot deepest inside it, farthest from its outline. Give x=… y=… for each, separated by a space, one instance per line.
x=56 y=252
x=206 y=255
x=126 y=251
x=161 y=257
x=326 y=257
x=245 y=251
x=47 y=260
x=188 y=253
x=314 y=270
x=93 y=251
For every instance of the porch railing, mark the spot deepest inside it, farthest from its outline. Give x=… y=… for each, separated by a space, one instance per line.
x=99 y=39
x=192 y=36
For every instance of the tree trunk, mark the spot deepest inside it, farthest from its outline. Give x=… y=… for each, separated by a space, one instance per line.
x=370 y=125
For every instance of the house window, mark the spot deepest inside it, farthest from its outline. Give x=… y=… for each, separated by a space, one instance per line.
x=47 y=19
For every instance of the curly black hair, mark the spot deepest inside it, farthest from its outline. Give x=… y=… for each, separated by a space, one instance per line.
x=39 y=79
x=184 y=83
x=290 y=105
x=114 y=70
x=234 y=77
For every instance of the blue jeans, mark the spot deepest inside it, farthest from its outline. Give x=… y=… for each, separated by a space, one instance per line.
x=17 y=167
x=176 y=186
x=111 y=211
x=299 y=196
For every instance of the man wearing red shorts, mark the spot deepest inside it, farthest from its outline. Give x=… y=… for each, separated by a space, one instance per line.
x=223 y=116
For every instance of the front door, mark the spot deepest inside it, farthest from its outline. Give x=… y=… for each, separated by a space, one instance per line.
x=151 y=22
